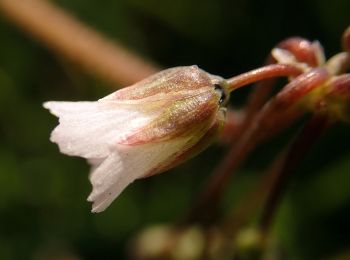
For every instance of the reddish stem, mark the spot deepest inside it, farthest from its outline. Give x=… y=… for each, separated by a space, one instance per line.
x=273 y=180
x=304 y=51
x=340 y=86
x=256 y=100
x=272 y=117
x=287 y=162
x=269 y=71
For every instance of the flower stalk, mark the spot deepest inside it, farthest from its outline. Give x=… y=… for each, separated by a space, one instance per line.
x=269 y=71
x=277 y=114
x=286 y=163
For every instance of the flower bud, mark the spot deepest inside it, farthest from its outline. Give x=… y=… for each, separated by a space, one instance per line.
x=141 y=130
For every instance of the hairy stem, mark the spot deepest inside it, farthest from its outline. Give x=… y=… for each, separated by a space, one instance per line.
x=66 y=36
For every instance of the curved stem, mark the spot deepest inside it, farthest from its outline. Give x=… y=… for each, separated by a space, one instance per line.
x=256 y=100
x=269 y=189
x=287 y=162
x=274 y=116
x=269 y=71
x=304 y=51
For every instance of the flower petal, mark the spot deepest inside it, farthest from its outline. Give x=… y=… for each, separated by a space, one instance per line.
x=126 y=164
x=140 y=130
x=92 y=129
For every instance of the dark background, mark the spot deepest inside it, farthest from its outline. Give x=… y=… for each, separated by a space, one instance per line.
x=43 y=208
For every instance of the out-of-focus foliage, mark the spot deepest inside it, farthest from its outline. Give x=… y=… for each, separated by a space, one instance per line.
x=43 y=208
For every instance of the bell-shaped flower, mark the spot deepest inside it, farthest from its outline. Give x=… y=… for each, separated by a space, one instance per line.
x=141 y=130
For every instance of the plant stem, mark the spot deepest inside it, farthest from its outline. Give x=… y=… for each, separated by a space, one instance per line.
x=270 y=189
x=269 y=71
x=303 y=50
x=256 y=100
x=73 y=40
x=278 y=113
x=287 y=162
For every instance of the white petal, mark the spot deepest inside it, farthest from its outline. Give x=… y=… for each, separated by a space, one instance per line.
x=125 y=165
x=283 y=56
x=321 y=59
x=92 y=129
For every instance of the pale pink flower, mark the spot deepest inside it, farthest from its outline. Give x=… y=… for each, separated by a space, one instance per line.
x=141 y=130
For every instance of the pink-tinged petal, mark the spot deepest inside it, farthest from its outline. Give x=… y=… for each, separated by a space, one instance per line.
x=126 y=164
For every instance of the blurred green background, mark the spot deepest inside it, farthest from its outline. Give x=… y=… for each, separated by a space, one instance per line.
x=43 y=208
